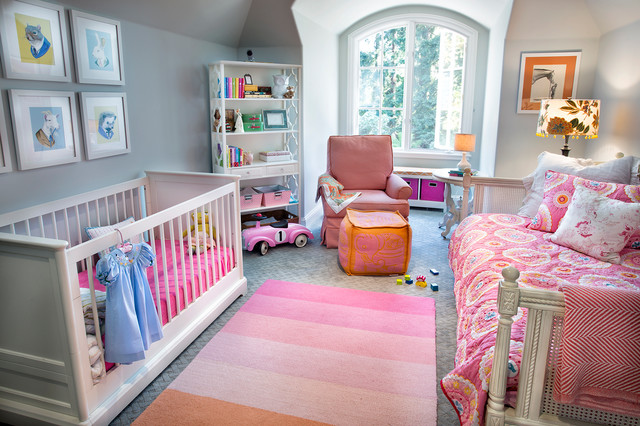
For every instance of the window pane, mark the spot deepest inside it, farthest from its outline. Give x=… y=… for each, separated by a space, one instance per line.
x=392 y=125
x=393 y=88
x=394 y=47
x=370 y=50
x=368 y=122
x=370 y=88
x=425 y=87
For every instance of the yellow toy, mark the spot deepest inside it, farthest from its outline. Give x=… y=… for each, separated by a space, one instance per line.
x=200 y=240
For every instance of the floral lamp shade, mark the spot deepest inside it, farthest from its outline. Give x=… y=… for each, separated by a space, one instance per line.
x=569 y=118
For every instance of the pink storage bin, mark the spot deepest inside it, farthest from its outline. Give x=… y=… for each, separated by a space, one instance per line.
x=274 y=195
x=431 y=190
x=250 y=199
x=413 y=183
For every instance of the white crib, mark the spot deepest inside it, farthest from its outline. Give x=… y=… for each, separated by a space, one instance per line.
x=45 y=373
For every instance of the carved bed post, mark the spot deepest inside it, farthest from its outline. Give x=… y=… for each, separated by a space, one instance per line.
x=508 y=296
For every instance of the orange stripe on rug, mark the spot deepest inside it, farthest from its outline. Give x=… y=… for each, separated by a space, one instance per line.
x=173 y=407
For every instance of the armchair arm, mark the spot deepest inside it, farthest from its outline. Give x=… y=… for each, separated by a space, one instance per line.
x=397 y=188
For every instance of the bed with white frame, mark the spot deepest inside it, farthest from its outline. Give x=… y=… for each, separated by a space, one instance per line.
x=534 y=403
x=44 y=368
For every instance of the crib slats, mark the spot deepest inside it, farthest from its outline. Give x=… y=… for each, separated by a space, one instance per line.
x=183 y=269
x=175 y=269
x=164 y=270
x=205 y=236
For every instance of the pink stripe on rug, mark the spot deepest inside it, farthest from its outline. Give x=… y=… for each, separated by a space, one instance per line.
x=327 y=354
x=338 y=315
x=342 y=339
x=403 y=378
x=349 y=297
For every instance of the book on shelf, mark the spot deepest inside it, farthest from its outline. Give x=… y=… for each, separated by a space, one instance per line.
x=256 y=95
x=235 y=157
x=270 y=156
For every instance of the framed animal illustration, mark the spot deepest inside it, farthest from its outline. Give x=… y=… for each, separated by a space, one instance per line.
x=97 y=44
x=5 y=157
x=104 y=120
x=34 y=40
x=45 y=127
x=547 y=75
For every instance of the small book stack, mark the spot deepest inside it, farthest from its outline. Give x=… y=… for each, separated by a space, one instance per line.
x=456 y=172
x=255 y=91
x=270 y=156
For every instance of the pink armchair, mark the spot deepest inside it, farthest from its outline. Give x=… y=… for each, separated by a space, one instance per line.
x=364 y=164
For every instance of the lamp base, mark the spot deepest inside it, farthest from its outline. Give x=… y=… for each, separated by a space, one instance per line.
x=464 y=164
x=565 y=149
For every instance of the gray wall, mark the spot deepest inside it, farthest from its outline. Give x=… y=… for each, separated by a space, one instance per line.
x=617 y=85
x=167 y=96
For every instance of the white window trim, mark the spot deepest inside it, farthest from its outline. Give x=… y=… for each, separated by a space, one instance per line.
x=469 y=71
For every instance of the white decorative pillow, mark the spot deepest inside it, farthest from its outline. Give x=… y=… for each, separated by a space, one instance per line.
x=615 y=171
x=596 y=225
x=98 y=231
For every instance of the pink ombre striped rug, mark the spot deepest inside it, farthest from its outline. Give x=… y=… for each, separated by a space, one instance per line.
x=301 y=353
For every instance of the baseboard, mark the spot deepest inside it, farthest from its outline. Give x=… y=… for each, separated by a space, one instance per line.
x=314 y=216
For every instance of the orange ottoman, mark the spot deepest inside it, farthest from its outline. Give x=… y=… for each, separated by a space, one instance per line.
x=374 y=243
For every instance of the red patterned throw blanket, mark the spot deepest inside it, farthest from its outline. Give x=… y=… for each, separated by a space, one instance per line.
x=331 y=189
x=600 y=361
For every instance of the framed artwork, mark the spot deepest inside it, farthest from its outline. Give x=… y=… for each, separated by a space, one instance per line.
x=5 y=158
x=551 y=75
x=45 y=127
x=34 y=40
x=97 y=45
x=104 y=120
x=275 y=119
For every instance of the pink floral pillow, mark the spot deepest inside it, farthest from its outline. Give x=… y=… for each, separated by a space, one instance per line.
x=558 y=193
x=596 y=225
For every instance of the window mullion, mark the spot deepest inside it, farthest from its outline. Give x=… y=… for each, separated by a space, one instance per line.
x=407 y=121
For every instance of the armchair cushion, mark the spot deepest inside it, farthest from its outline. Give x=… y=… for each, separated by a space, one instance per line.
x=360 y=162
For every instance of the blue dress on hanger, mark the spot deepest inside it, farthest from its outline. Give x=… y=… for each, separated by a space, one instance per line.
x=131 y=320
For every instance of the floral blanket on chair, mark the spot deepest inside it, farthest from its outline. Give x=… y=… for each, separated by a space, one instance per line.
x=331 y=189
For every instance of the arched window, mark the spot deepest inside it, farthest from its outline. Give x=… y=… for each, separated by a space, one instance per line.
x=411 y=76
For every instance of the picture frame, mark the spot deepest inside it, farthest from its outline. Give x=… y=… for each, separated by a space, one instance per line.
x=97 y=45
x=275 y=119
x=34 y=40
x=105 y=124
x=546 y=75
x=45 y=127
x=5 y=157
x=248 y=79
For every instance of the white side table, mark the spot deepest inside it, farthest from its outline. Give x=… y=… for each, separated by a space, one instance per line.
x=455 y=212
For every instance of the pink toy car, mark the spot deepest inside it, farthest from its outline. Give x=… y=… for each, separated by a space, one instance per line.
x=263 y=237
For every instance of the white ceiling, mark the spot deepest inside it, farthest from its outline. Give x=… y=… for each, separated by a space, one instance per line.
x=265 y=23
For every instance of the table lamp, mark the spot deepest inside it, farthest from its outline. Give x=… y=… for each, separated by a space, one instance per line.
x=569 y=117
x=464 y=142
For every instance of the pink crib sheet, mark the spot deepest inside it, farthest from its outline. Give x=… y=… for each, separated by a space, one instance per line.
x=222 y=267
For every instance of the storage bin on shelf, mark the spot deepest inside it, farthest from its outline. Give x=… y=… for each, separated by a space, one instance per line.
x=274 y=195
x=252 y=126
x=249 y=220
x=250 y=199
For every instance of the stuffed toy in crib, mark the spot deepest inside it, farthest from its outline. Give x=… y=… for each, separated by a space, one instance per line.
x=203 y=242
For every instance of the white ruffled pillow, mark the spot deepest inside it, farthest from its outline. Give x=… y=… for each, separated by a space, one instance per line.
x=98 y=231
x=615 y=171
x=596 y=225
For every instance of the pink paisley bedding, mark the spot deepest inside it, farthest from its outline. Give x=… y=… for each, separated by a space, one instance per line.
x=480 y=248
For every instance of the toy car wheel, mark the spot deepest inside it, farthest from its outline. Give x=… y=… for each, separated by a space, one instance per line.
x=263 y=247
x=301 y=240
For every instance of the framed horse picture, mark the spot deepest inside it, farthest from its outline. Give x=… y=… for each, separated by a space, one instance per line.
x=546 y=75
x=104 y=120
x=45 y=127
x=97 y=44
x=34 y=40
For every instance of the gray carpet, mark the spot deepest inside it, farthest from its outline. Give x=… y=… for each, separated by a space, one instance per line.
x=314 y=264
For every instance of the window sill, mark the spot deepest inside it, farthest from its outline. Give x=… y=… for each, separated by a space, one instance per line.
x=445 y=155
